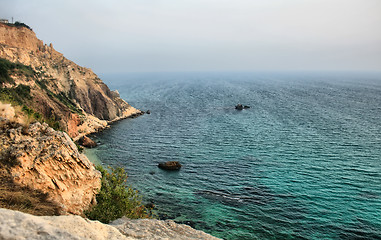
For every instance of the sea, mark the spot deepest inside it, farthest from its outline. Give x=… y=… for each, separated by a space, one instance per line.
x=303 y=162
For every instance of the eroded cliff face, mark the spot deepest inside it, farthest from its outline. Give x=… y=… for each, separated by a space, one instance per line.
x=61 y=89
x=41 y=158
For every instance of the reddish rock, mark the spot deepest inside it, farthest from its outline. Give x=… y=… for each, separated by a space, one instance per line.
x=87 y=142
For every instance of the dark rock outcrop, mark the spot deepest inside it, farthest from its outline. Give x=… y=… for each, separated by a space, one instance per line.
x=170 y=165
x=241 y=107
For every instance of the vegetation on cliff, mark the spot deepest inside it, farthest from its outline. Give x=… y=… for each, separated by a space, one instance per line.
x=19 y=24
x=115 y=199
x=7 y=67
x=20 y=94
x=43 y=86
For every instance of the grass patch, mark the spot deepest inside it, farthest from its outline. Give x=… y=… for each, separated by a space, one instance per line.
x=20 y=96
x=7 y=67
x=33 y=116
x=15 y=197
x=115 y=199
x=15 y=96
x=80 y=149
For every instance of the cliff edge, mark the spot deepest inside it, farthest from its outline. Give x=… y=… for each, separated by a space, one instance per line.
x=72 y=96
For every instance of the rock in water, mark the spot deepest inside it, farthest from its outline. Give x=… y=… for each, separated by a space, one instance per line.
x=87 y=142
x=239 y=107
x=170 y=165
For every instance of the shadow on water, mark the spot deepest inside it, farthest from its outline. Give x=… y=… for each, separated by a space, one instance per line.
x=247 y=195
x=361 y=229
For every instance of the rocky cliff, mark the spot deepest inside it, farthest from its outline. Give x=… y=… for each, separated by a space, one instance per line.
x=17 y=225
x=38 y=157
x=60 y=90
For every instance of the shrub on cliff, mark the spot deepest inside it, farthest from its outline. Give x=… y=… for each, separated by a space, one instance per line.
x=7 y=67
x=21 y=24
x=116 y=199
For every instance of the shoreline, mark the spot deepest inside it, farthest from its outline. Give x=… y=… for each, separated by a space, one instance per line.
x=131 y=112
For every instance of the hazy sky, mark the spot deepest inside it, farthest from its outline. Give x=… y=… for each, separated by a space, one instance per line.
x=207 y=35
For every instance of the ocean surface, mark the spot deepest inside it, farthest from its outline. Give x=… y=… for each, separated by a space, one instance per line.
x=304 y=162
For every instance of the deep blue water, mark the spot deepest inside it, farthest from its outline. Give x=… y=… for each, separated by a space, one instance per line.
x=304 y=162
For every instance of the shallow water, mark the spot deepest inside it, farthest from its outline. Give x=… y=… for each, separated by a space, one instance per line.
x=303 y=162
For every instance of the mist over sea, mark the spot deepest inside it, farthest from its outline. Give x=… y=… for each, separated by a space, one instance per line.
x=304 y=162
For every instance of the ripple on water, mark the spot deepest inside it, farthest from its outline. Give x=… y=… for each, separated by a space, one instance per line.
x=301 y=163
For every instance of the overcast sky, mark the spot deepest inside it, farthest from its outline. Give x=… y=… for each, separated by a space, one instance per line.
x=207 y=35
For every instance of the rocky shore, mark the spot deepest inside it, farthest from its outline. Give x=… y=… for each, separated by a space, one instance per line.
x=18 y=225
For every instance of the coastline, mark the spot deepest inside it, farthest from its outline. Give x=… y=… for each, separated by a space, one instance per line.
x=130 y=112
x=53 y=102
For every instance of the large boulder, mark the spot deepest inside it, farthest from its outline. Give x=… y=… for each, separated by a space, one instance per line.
x=87 y=142
x=170 y=165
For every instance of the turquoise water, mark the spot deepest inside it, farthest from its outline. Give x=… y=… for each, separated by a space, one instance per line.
x=304 y=162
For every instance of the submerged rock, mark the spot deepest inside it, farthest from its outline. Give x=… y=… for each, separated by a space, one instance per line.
x=170 y=165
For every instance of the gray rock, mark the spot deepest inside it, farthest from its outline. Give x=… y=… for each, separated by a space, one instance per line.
x=18 y=225
x=152 y=229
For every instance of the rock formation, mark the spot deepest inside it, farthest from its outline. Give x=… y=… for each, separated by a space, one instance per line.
x=44 y=159
x=59 y=88
x=17 y=225
x=170 y=165
x=87 y=142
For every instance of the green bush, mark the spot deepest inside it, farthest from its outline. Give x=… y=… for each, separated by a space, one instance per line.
x=115 y=199
x=5 y=66
x=16 y=95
